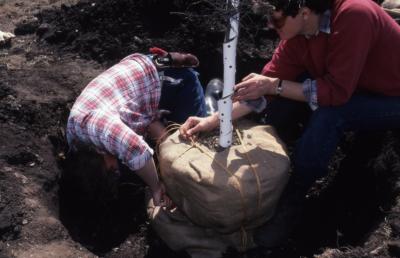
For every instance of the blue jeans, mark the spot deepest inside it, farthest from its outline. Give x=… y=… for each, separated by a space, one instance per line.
x=326 y=126
x=184 y=97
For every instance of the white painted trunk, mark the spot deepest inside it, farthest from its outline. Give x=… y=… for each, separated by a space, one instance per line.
x=225 y=103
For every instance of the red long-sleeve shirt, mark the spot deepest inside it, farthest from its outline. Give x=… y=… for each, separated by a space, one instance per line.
x=361 y=53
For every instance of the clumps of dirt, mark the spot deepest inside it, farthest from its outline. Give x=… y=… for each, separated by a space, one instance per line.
x=30 y=114
x=107 y=31
x=11 y=215
x=212 y=140
x=24 y=158
x=6 y=90
x=27 y=26
x=349 y=209
x=40 y=118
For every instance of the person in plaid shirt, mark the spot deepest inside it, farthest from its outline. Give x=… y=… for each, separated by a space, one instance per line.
x=122 y=105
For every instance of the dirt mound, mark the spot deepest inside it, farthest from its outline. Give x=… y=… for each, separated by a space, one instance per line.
x=107 y=31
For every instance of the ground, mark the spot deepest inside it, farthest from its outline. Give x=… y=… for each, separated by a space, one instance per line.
x=61 y=45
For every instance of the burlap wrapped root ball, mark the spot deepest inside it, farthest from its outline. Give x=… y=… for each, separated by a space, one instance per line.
x=231 y=191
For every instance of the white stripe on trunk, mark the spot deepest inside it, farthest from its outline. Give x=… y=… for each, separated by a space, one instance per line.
x=225 y=103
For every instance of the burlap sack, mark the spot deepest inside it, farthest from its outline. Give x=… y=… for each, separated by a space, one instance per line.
x=223 y=194
x=179 y=233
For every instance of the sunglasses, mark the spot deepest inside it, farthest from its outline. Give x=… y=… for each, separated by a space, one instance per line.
x=275 y=23
x=266 y=11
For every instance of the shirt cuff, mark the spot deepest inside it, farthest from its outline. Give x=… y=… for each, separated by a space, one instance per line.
x=310 y=92
x=256 y=105
x=138 y=161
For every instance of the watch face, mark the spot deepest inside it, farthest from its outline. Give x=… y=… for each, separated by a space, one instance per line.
x=279 y=88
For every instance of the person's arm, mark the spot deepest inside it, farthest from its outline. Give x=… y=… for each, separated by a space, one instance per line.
x=292 y=90
x=354 y=32
x=287 y=64
x=194 y=125
x=156 y=129
x=148 y=173
x=255 y=85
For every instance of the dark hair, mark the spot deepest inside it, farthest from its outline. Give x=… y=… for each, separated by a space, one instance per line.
x=292 y=7
x=85 y=176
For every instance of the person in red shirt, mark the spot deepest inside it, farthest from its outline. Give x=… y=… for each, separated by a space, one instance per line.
x=348 y=50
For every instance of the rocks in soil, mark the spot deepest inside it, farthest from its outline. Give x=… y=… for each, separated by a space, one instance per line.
x=23 y=158
x=6 y=90
x=27 y=26
x=42 y=29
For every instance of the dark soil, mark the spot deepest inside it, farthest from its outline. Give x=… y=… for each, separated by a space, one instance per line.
x=107 y=31
x=61 y=45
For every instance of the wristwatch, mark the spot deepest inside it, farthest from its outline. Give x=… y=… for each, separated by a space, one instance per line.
x=279 y=88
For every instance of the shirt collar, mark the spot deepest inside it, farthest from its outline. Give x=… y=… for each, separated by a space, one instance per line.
x=325 y=22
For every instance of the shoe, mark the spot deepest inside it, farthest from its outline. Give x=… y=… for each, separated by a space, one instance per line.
x=184 y=60
x=212 y=95
x=164 y=59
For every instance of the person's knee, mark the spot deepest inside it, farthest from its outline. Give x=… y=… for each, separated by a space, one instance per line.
x=191 y=74
x=324 y=122
x=319 y=140
x=185 y=99
x=326 y=114
x=186 y=74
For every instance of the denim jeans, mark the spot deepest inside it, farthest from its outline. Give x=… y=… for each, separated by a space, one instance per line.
x=183 y=96
x=326 y=126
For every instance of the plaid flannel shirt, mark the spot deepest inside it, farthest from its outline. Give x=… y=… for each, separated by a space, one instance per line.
x=114 y=110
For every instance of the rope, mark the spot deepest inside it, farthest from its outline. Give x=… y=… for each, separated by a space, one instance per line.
x=244 y=239
x=168 y=130
x=253 y=169
x=238 y=185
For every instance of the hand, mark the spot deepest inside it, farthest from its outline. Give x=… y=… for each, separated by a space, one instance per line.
x=194 y=125
x=254 y=86
x=156 y=130
x=160 y=198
